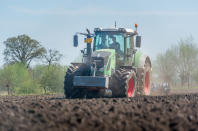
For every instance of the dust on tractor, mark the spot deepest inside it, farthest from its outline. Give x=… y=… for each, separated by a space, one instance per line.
x=113 y=64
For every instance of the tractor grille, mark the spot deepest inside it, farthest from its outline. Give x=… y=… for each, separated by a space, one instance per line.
x=99 y=62
x=101 y=58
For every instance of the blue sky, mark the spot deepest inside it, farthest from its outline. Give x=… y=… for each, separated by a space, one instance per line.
x=54 y=22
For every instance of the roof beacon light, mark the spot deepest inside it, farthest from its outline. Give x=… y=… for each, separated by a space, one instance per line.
x=136 y=25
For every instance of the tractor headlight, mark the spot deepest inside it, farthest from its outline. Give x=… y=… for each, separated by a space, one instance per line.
x=102 y=69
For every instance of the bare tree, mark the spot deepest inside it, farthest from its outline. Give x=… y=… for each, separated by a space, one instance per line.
x=52 y=56
x=22 y=49
x=185 y=58
x=164 y=67
x=195 y=75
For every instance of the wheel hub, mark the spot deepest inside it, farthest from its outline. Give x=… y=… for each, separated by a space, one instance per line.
x=130 y=87
x=146 y=87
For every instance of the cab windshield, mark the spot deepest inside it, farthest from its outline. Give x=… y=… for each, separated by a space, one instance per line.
x=109 y=40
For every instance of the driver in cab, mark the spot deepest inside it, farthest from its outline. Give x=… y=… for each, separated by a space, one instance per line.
x=115 y=45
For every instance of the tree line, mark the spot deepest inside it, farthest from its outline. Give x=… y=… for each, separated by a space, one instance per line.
x=18 y=77
x=177 y=64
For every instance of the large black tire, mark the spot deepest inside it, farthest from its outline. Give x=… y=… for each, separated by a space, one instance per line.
x=145 y=82
x=70 y=90
x=123 y=83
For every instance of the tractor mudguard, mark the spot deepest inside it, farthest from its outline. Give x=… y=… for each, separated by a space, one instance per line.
x=140 y=59
x=77 y=64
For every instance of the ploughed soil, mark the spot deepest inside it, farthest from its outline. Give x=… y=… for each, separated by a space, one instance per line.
x=142 y=113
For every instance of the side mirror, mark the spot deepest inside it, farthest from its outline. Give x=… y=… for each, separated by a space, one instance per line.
x=138 y=41
x=75 y=41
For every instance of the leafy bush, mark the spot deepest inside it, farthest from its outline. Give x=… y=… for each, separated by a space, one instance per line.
x=17 y=80
x=50 y=78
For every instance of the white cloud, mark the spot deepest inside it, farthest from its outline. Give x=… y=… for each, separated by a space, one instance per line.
x=100 y=11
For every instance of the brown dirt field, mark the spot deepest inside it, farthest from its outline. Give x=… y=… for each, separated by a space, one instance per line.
x=142 y=113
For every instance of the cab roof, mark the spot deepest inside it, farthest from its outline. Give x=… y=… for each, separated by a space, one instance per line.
x=113 y=29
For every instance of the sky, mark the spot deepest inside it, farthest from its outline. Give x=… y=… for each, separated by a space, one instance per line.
x=54 y=22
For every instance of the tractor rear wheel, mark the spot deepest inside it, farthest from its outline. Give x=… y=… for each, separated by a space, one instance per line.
x=123 y=83
x=144 y=83
x=70 y=90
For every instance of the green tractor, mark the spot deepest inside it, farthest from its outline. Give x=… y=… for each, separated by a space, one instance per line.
x=113 y=65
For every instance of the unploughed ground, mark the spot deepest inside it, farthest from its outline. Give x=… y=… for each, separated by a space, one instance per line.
x=143 y=113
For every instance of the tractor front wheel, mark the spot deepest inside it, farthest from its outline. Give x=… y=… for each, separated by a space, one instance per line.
x=70 y=90
x=123 y=83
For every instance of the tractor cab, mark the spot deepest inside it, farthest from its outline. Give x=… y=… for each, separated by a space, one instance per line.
x=119 y=39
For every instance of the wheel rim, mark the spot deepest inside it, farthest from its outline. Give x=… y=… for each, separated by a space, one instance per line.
x=130 y=87
x=146 y=87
